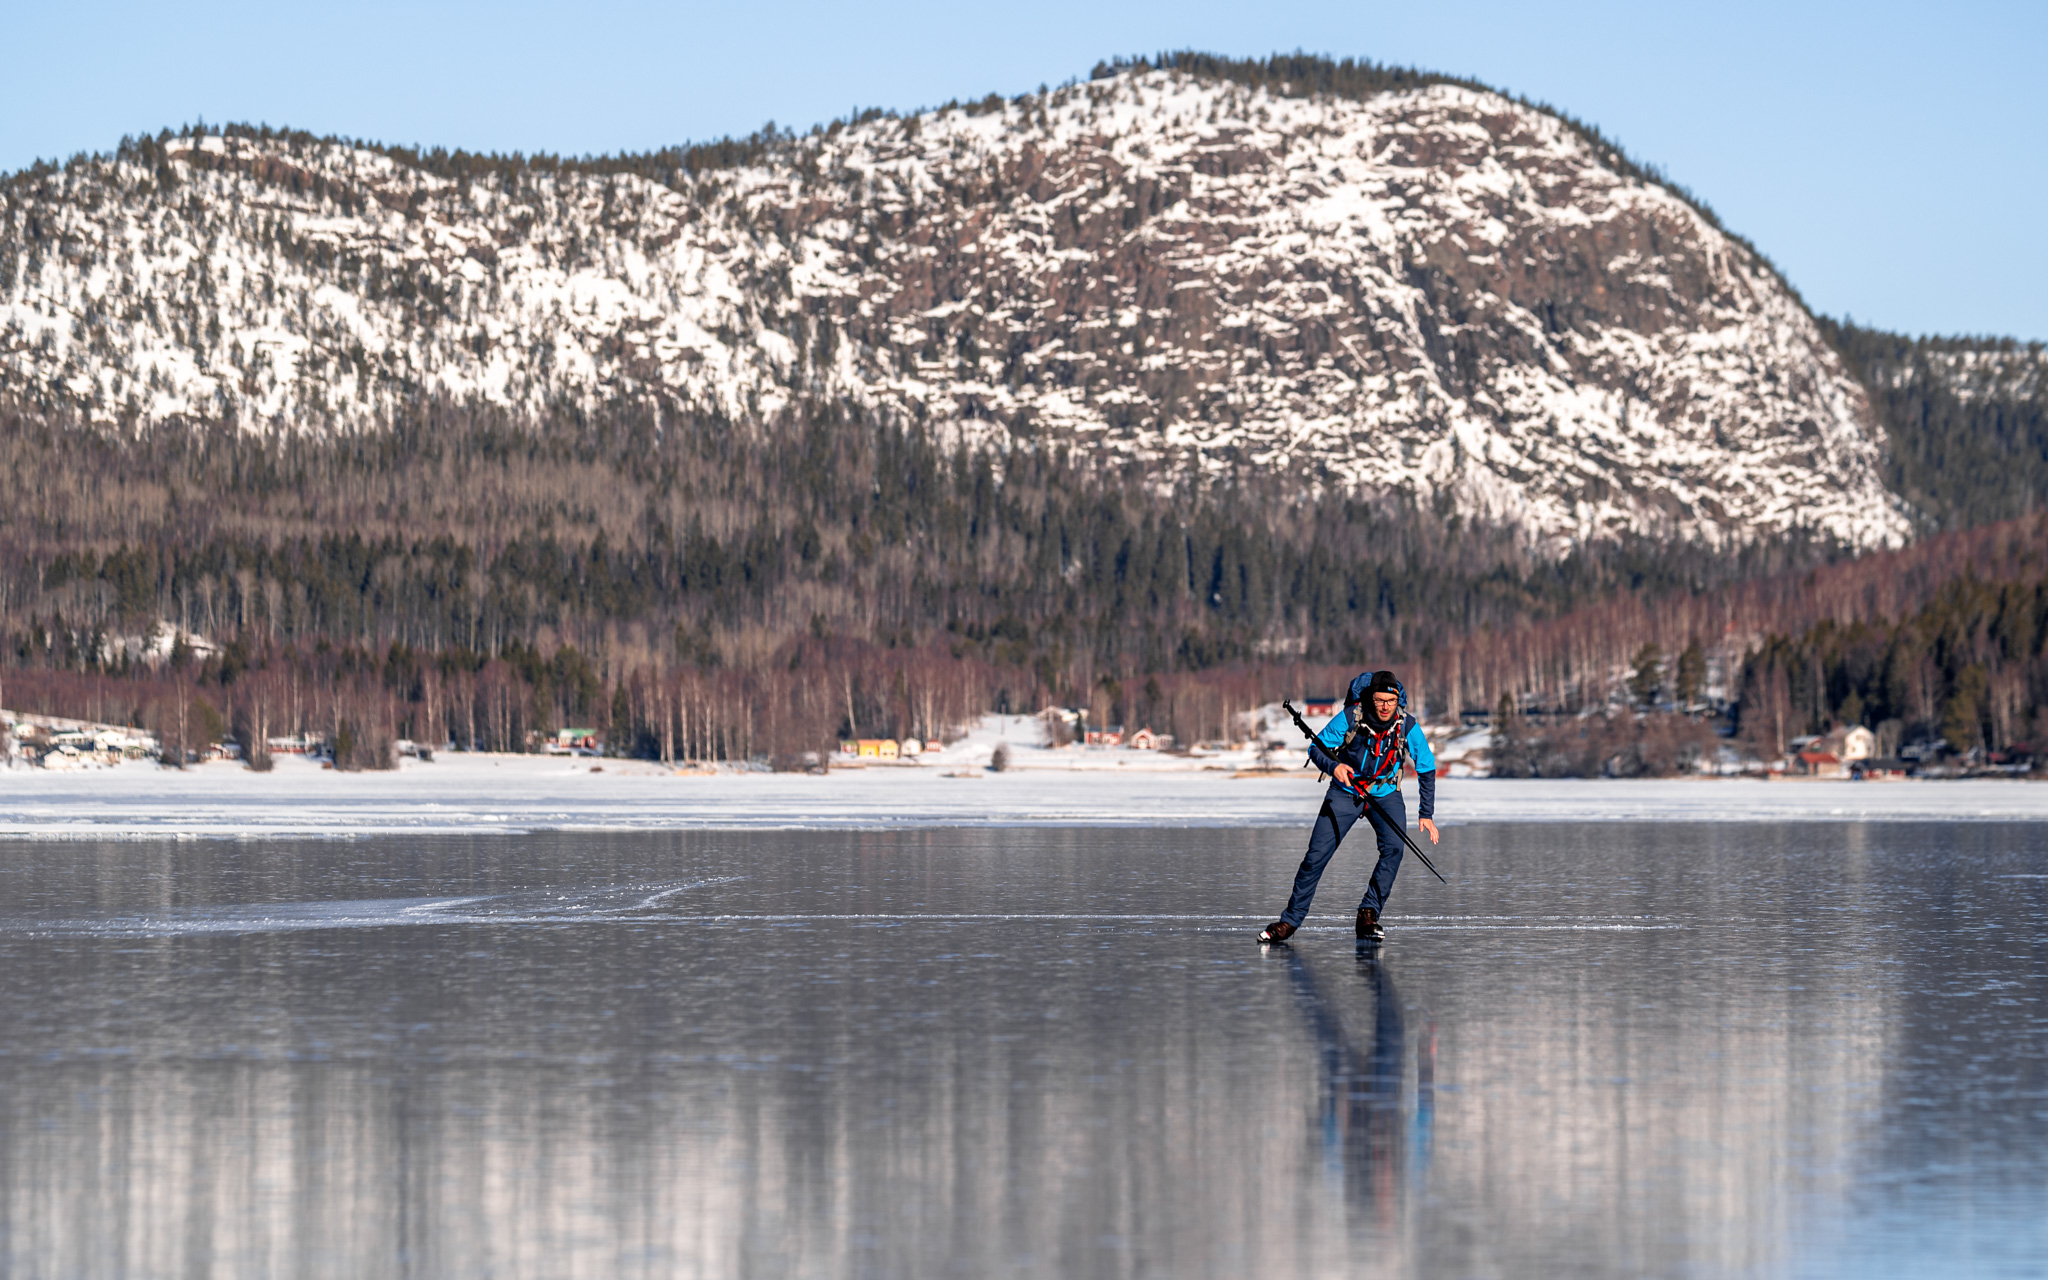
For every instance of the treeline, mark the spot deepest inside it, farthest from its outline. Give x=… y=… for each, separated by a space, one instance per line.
x=1966 y=419
x=1969 y=670
x=1303 y=75
x=1586 y=659
x=464 y=577
x=1291 y=75
x=790 y=712
x=641 y=538
x=360 y=702
x=1295 y=74
x=1943 y=644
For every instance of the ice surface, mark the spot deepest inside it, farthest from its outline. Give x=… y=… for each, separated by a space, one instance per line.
x=1638 y=1049
x=484 y=793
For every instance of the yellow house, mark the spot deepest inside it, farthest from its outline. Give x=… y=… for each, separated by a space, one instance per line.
x=878 y=748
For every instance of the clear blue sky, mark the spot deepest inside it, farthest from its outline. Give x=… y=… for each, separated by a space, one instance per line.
x=1892 y=159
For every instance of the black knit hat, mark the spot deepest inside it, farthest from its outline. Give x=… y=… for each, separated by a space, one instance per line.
x=1382 y=682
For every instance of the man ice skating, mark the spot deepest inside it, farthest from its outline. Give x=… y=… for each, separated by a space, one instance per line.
x=1363 y=745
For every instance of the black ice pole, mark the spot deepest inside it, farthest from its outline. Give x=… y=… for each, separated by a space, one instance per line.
x=1368 y=797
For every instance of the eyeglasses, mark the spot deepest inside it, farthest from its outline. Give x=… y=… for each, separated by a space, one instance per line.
x=1376 y=698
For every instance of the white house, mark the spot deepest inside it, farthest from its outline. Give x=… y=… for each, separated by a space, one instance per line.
x=1852 y=742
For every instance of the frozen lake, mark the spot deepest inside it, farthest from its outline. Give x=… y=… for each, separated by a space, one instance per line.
x=479 y=794
x=1628 y=1049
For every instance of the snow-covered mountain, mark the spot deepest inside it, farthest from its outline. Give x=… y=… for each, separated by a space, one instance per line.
x=1441 y=291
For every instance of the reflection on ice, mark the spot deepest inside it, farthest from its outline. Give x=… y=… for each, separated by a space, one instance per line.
x=1608 y=1051
x=1366 y=1132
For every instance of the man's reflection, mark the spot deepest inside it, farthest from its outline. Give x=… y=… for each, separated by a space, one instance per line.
x=1362 y=1122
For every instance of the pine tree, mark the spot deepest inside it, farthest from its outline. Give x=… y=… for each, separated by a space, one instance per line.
x=1692 y=675
x=1647 y=681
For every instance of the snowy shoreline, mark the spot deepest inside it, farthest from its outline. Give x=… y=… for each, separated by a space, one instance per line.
x=471 y=794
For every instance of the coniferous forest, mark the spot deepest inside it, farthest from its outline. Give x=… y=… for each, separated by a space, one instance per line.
x=696 y=591
x=464 y=577
x=1967 y=421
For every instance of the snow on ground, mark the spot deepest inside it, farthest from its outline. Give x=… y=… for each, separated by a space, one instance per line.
x=504 y=793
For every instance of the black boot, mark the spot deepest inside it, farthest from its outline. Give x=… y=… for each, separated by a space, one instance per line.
x=1369 y=925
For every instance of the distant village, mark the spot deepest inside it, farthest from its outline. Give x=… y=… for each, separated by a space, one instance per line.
x=53 y=742
x=1850 y=752
x=1063 y=726
x=56 y=743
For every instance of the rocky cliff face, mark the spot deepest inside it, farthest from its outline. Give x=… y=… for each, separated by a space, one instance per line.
x=1441 y=293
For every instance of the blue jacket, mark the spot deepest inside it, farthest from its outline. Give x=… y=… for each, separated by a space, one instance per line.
x=1366 y=748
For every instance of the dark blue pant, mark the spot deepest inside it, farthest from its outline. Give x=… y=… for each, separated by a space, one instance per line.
x=1340 y=810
